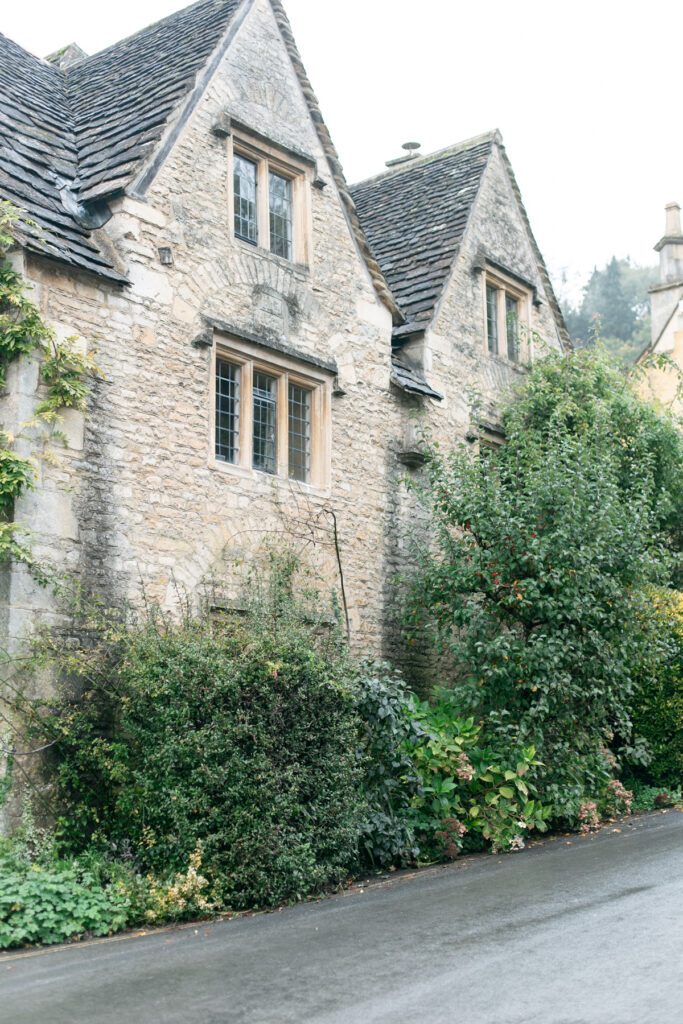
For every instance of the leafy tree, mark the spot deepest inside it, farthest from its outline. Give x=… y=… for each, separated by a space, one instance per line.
x=582 y=393
x=543 y=549
x=615 y=305
x=618 y=317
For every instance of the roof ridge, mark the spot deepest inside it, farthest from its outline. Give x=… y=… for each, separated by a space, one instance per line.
x=43 y=61
x=152 y=25
x=493 y=135
x=562 y=332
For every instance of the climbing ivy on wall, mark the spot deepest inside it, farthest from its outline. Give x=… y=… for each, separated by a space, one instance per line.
x=64 y=371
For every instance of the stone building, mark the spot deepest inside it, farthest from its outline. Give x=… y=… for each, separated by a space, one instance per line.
x=666 y=305
x=265 y=332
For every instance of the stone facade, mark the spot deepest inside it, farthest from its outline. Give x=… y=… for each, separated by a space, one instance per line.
x=137 y=503
x=666 y=303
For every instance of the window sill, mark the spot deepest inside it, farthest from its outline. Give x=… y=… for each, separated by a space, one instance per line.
x=512 y=364
x=254 y=249
x=265 y=481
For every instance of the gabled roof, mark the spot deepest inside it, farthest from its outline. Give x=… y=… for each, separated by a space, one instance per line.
x=76 y=132
x=415 y=216
x=122 y=97
x=75 y=135
x=38 y=158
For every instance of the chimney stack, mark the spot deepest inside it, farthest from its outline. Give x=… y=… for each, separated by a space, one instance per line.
x=673 y=221
x=670 y=247
x=665 y=295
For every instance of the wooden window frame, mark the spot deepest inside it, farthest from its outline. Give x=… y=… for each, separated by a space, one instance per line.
x=284 y=369
x=269 y=158
x=505 y=286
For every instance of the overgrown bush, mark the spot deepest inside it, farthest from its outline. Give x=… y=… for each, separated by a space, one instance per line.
x=658 y=705
x=544 y=548
x=388 y=730
x=239 y=734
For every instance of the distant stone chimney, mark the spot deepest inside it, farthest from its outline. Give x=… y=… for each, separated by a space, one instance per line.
x=68 y=55
x=410 y=154
x=670 y=247
x=665 y=296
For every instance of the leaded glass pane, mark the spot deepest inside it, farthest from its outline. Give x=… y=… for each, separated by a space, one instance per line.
x=512 y=325
x=227 y=411
x=245 y=198
x=265 y=418
x=280 y=206
x=299 y=433
x=492 y=317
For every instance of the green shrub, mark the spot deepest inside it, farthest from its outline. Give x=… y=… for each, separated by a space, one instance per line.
x=47 y=900
x=239 y=734
x=536 y=584
x=473 y=792
x=653 y=798
x=658 y=706
x=388 y=730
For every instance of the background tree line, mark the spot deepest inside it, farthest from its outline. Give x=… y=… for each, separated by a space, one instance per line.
x=617 y=294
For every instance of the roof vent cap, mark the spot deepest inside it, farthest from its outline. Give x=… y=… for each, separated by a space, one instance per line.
x=410 y=154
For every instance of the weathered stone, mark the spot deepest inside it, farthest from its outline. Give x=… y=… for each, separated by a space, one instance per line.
x=137 y=502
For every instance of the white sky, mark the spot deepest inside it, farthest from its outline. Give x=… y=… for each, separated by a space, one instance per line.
x=586 y=94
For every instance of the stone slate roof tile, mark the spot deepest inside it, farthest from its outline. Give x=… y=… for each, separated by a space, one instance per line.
x=414 y=217
x=87 y=128
x=76 y=130
x=133 y=87
x=409 y=379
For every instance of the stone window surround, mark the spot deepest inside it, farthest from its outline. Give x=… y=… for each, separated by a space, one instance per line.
x=285 y=368
x=299 y=171
x=506 y=285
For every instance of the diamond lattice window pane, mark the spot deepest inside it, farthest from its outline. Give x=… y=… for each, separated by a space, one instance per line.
x=245 y=198
x=227 y=411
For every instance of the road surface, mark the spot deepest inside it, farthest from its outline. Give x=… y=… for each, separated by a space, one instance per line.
x=574 y=931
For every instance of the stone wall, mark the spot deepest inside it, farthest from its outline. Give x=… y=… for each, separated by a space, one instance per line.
x=137 y=505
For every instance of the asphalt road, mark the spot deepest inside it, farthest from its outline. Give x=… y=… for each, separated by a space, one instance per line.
x=575 y=931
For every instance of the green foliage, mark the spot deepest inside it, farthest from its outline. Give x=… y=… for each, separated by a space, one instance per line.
x=44 y=899
x=470 y=787
x=16 y=475
x=41 y=905
x=543 y=548
x=21 y=327
x=653 y=798
x=239 y=734
x=47 y=898
x=658 y=707
x=615 y=301
x=155 y=899
x=65 y=371
x=583 y=396
x=388 y=731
